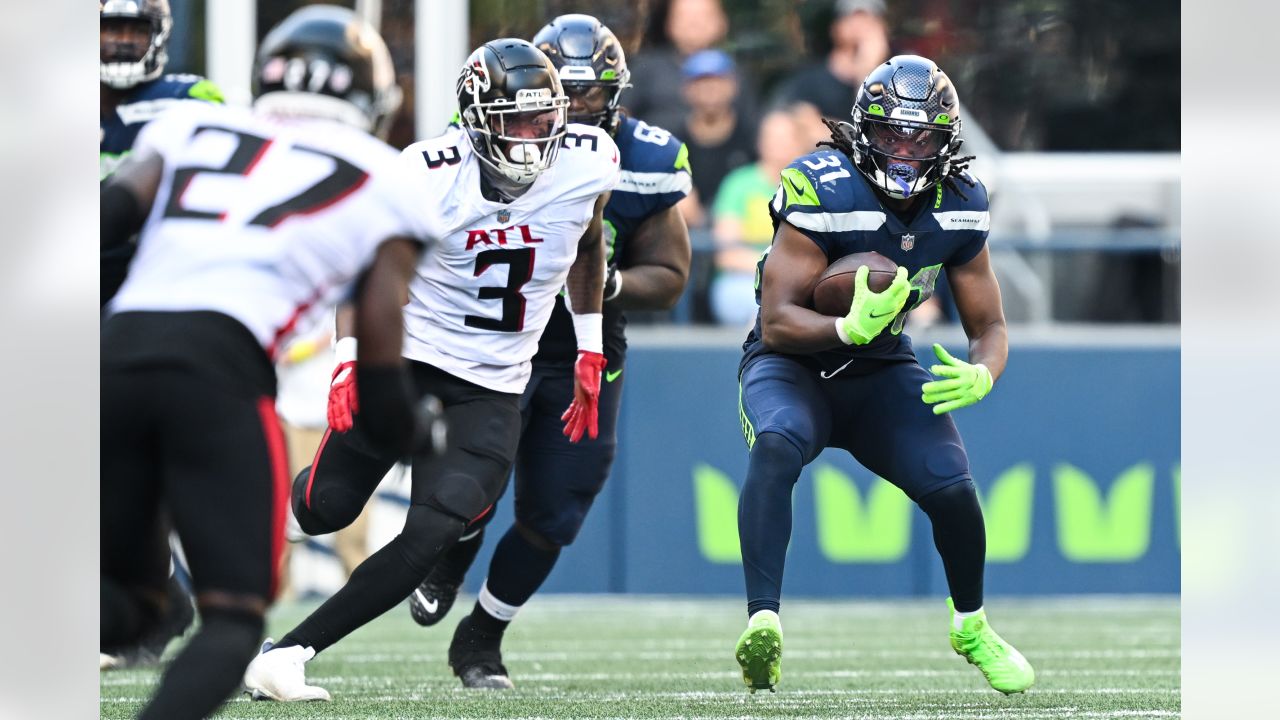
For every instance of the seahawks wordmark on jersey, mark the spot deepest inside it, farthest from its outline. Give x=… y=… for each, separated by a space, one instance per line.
x=263 y=220
x=829 y=201
x=482 y=297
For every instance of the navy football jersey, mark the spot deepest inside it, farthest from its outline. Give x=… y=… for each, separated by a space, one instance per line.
x=828 y=200
x=655 y=176
x=142 y=103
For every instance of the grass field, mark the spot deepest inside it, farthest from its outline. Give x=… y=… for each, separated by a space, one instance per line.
x=654 y=657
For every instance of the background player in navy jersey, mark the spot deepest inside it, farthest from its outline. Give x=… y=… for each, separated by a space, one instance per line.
x=891 y=184
x=245 y=222
x=556 y=481
x=132 y=40
x=132 y=35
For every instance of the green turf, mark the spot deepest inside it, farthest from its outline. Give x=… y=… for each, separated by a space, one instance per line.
x=655 y=657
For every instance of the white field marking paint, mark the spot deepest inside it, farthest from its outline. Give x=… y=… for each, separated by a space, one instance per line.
x=1172 y=652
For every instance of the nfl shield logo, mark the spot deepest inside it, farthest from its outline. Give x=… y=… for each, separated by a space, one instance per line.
x=908 y=241
x=504 y=216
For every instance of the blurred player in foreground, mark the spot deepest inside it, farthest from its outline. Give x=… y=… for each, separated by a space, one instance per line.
x=132 y=39
x=891 y=184
x=556 y=481
x=520 y=193
x=247 y=219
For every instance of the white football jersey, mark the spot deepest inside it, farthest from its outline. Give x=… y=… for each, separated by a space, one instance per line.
x=264 y=219
x=484 y=292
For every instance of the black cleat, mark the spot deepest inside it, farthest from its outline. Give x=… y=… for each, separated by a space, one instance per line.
x=476 y=658
x=432 y=601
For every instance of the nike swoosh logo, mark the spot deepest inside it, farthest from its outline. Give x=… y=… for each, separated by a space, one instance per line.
x=877 y=317
x=422 y=600
x=611 y=375
x=796 y=190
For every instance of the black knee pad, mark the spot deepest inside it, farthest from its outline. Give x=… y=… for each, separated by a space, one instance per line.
x=428 y=532
x=332 y=506
x=461 y=496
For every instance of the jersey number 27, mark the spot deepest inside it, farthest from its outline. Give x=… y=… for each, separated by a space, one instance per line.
x=341 y=181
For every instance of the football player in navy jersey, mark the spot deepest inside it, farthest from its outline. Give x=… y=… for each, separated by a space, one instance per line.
x=132 y=52
x=132 y=35
x=648 y=264
x=890 y=182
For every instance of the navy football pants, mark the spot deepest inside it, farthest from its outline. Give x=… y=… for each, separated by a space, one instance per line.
x=790 y=414
x=557 y=481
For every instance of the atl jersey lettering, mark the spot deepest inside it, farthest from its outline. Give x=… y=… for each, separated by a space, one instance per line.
x=142 y=103
x=481 y=298
x=655 y=176
x=263 y=220
x=829 y=201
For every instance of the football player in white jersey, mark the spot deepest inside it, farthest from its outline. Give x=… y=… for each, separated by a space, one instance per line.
x=520 y=193
x=246 y=219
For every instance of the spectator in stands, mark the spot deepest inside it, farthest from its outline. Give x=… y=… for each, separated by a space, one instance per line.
x=718 y=136
x=743 y=228
x=859 y=43
x=678 y=29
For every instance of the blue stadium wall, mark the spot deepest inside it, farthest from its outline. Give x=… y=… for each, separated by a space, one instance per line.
x=1076 y=457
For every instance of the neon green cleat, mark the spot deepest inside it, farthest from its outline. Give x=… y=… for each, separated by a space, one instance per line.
x=1004 y=666
x=759 y=651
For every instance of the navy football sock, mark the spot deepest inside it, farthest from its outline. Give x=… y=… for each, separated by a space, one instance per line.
x=517 y=570
x=961 y=539
x=209 y=668
x=764 y=518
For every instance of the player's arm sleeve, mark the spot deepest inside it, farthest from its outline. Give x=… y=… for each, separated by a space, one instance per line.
x=796 y=202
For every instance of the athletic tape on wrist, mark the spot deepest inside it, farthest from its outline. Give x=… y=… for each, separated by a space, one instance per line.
x=589 y=329
x=840 y=332
x=344 y=350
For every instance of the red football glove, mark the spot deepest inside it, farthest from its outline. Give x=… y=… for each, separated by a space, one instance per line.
x=582 y=414
x=342 y=397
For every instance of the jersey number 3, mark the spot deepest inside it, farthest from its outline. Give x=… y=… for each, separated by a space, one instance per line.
x=520 y=270
x=341 y=181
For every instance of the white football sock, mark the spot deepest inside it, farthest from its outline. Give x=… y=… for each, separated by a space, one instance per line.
x=495 y=607
x=958 y=621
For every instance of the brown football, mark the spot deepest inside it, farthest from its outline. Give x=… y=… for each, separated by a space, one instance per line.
x=834 y=291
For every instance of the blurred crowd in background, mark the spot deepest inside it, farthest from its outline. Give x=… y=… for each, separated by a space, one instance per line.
x=745 y=84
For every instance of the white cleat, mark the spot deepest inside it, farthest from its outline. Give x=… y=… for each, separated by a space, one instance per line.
x=277 y=674
x=108 y=662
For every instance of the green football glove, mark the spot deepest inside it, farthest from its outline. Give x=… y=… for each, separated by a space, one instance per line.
x=965 y=385
x=871 y=312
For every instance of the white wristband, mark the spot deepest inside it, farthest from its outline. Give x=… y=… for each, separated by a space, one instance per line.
x=840 y=332
x=344 y=351
x=589 y=328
